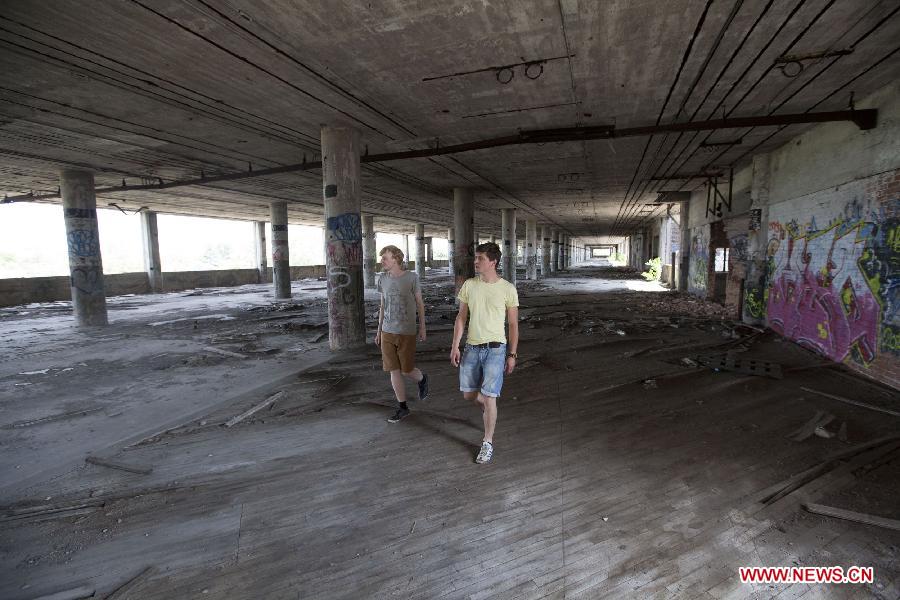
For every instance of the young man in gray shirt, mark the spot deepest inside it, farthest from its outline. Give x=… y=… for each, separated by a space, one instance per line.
x=401 y=298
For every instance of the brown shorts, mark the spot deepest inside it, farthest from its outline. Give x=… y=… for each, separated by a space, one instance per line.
x=398 y=352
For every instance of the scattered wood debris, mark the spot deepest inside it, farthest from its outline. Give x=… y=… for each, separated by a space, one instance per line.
x=120 y=466
x=820 y=419
x=70 y=594
x=51 y=418
x=121 y=592
x=849 y=515
x=224 y=352
x=749 y=366
x=55 y=510
x=267 y=402
x=886 y=411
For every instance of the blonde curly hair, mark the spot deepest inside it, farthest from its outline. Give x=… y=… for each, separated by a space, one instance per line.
x=396 y=252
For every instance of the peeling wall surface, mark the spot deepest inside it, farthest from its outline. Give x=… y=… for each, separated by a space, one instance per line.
x=834 y=273
x=698 y=274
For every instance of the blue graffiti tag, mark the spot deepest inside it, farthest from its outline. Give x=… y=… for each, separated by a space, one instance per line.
x=83 y=242
x=345 y=227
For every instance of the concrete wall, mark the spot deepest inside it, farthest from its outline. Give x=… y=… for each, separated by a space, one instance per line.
x=410 y=265
x=25 y=290
x=304 y=272
x=50 y=289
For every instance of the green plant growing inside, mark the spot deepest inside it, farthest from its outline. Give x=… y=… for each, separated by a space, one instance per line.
x=652 y=274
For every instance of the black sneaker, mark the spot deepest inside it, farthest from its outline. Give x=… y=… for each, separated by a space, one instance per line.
x=423 y=387
x=401 y=412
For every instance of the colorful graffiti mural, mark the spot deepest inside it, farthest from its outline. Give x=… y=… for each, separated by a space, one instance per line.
x=833 y=283
x=823 y=304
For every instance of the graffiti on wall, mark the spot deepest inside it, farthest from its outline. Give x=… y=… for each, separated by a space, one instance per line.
x=820 y=297
x=83 y=242
x=345 y=227
x=833 y=282
x=698 y=270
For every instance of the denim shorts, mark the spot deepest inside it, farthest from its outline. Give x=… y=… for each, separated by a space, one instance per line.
x=481 y=369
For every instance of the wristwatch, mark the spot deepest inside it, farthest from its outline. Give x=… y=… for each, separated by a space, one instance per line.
x=512 y=355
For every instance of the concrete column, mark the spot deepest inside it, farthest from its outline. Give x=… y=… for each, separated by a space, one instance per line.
x=554 y=250
x=406 y=255
x=545 y=251
x=563 y=249
x=259 y=239
x=369 y=252
x=83 y=237
x=509 y=246
x=493 y=239
x=281 y=269
x=464 y=228
x=531 y=249
x=685 y=246
x=150 y=238
x=420 y=250
x=429 y=252
x=450 y=244
x=343 y=236
x=756 y=280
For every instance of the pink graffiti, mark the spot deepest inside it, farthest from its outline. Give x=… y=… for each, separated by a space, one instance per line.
x=832 y=318
x=344 y=253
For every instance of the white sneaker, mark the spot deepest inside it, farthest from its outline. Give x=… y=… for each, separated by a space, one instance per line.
x=486 y=453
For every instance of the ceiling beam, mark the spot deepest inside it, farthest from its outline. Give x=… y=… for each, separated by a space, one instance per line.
x=864 y=119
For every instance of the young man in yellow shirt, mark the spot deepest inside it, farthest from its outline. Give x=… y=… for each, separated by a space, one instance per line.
x=487 y=301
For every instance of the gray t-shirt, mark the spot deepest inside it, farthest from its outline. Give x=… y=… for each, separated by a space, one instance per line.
x=399 y=295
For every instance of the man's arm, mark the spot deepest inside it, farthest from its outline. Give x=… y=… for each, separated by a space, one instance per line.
x=512 y=347
x=420 y=306
x=380 y=322
x=458 y=327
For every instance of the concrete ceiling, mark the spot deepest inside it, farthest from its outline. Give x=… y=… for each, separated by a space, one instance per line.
x=159 y=89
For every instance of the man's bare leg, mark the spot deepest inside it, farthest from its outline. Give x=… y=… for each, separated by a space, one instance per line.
x=415 y=375
x=399 y=385
x=489 y=415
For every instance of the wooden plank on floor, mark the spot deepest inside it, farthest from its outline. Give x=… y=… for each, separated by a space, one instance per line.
x=849 y=515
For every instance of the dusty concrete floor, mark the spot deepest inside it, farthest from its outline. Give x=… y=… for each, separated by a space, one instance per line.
x=621 y=471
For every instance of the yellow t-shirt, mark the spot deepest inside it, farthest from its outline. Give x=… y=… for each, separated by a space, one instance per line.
x=487 y=308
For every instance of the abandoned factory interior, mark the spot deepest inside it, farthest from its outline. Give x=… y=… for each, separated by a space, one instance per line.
x=457 y=299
